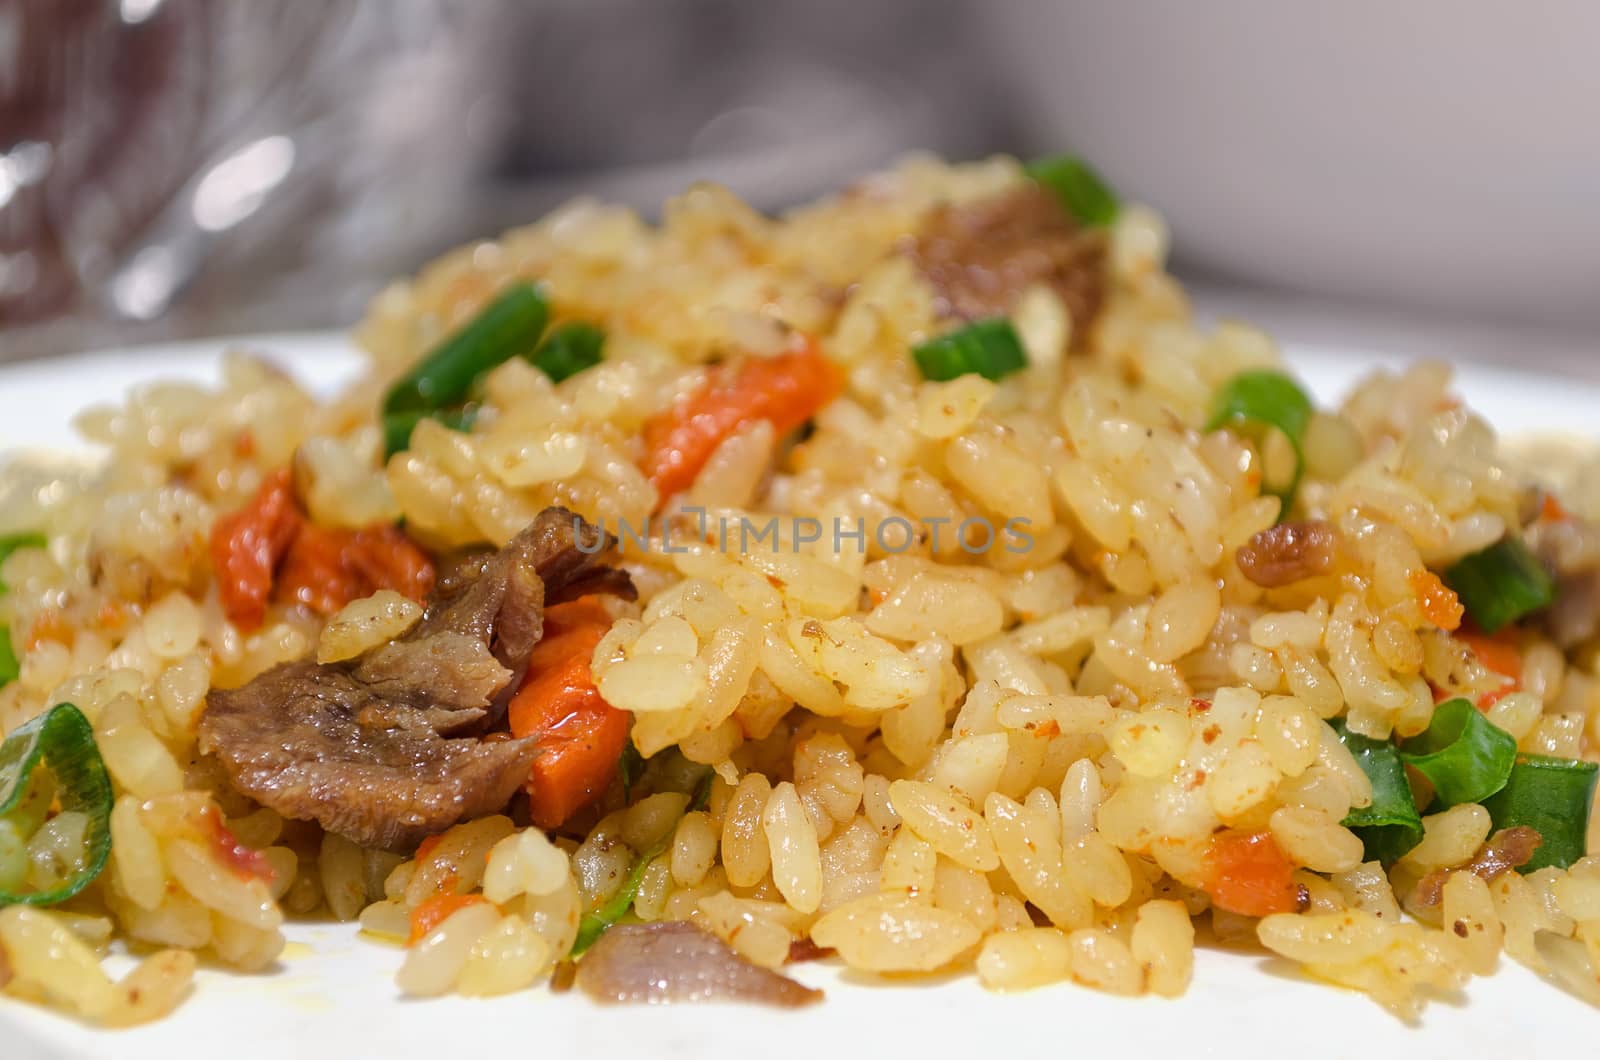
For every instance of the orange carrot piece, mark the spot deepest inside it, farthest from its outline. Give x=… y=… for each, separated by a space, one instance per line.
x=50 y=624
x=579 y=734
x=268 y=550
x=575 y=614
x=248 y=544
x=426 y=848
x=387 y=559
x=1437 y=600
x=786 y=390
x=314 y=572
x=1499 y=655
x=1551 y=511
x=247 y=863
x=1247 y=873
x=326 y=569
x=432 y=912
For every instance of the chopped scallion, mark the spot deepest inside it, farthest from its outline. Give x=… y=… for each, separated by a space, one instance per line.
x=10 y=543
x=1464 y=755
x=568 y=350
x=61 y=741
x=397 y=426
x=1082 y=191
x=10 y=669
x=630 y=767
x=594 y=924
x=1551 y=796
x=508 y=326
x=1391 y=825
x=1261 y=399
x=988 y=347
x=1501 y=584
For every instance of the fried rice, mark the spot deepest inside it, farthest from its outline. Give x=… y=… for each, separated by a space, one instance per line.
x=1109 y=713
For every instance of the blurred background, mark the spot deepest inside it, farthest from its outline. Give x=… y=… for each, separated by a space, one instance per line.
x=176 y=168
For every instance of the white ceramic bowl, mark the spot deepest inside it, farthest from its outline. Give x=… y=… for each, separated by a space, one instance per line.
x=1439 y=153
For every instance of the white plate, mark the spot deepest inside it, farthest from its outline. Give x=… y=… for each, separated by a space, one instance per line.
x=333 y=993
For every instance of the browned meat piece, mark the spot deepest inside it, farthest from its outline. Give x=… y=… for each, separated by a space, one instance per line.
x=1570 y=549
x=674 y=960
x=980 y=256
x=362 y=746
x=562 y=976
x=1506 y=849
x=312 y=741
x=490 y=614
x=1288 y=552
x=803 y=949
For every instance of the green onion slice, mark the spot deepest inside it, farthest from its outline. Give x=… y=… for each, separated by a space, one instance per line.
x=1553 y=797
x=1262 y=399
x=62 y=741
x=568 y=350
x=397 y=426
x=9 y=667
x=630 y=767
x=10 y=543
x=1391 y=825
x=1464 y=755
x=1082 y=191
x=509 y=326
x=988 y=347
x=594 y=924
x=1500 y=584
x=702 y=793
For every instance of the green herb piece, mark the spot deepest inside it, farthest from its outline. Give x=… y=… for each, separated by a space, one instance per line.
x=10 y=543
x=1391 y=825
x=1551 y=796
x=1500 y=584
x=1082 y=191
x=9 y=667
x=1464 y=755
x=568 y=350
x=61 y=741
x=1262 y=399
x=508 y=326
x=594 y=924
x=397 y=426
x=702 y=793
x=630 y=767
x=988 y=347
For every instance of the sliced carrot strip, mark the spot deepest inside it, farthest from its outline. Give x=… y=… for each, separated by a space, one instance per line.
x=50 y=624
x=387 y=559
x=785 y=390
x=426 y=848
x=1437 y=600
x=314 y=572
x=432 y=912
x=247 y=545
x=575 y=614
x=1499 y=655
x=1247 y=873
x=243 y=861
x=580 y=736
x=326 y=569
x=268 y=550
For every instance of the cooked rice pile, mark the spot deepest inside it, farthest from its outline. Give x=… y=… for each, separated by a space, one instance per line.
x=934 y=759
